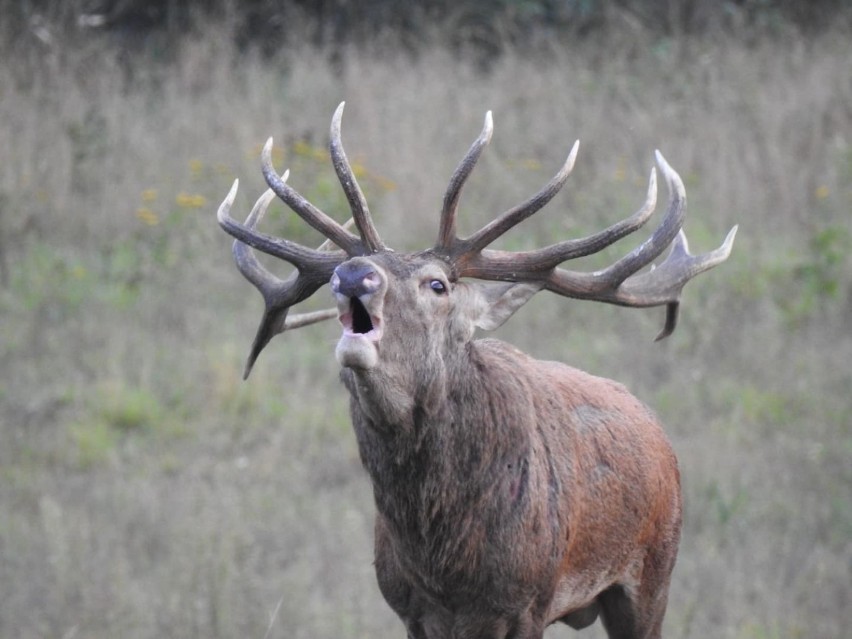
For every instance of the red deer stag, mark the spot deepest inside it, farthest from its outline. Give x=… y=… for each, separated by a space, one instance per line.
x=511 y=493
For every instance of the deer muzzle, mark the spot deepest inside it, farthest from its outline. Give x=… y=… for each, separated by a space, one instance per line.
x=359 y=289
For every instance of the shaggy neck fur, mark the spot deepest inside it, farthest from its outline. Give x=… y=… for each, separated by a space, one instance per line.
x=449 y=466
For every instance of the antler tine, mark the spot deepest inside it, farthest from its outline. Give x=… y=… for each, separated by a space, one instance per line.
x=296 y=254
x=246 y=261
x=306 y=319
x=514 y=216
x=571 y=249
x=665 y=233
x=307 y=211
x=314 y=268
x=328 y=245
x=490 y=263
x=645 y=253
x=447 y=228
x=679 y=267
x=606 y=285
x=357 y=201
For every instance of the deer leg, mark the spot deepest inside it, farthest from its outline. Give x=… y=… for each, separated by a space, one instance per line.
x=628 y=615
x=618 y=614
x=583 y=617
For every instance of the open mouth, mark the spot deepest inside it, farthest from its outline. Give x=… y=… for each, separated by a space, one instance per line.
x=359 y=289
x=361 y=320
x=358 y=321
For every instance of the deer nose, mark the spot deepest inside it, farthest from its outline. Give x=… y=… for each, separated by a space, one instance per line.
x=354 y=279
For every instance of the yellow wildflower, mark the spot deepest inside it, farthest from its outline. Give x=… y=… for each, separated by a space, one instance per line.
x=190 y=201
x=386 y=184
x=301 y=148
x=306 y=150
x=147 y=216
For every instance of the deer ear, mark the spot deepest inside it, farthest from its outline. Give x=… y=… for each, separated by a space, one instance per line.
x=495 y=303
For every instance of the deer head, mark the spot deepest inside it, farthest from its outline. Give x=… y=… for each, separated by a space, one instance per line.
x=385 y=299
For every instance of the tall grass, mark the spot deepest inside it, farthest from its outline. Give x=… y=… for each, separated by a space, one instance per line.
x=146 y=491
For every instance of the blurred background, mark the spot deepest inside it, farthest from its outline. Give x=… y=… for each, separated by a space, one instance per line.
x=146 y=491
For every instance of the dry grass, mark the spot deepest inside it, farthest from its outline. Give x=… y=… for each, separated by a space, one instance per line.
x=147 y=492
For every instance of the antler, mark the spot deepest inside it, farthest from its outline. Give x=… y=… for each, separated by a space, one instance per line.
x=357 y=202
x=621 y=283
x=313 y=266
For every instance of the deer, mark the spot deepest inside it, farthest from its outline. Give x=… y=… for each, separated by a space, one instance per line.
x=510 y=493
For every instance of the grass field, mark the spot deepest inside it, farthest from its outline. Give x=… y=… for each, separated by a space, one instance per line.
x=146 y=491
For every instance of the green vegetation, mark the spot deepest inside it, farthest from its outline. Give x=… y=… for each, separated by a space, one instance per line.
x=147 y=491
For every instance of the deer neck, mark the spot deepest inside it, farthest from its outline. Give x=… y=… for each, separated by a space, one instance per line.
x=434 y=455
x=417 y=431
x=395 y=402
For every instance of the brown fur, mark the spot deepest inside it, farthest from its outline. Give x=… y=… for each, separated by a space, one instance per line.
x=511 y=492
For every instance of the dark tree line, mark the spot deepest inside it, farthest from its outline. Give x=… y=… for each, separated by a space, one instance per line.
x=478 y=24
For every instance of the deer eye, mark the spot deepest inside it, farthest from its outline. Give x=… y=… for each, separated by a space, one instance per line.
x=438 y=287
